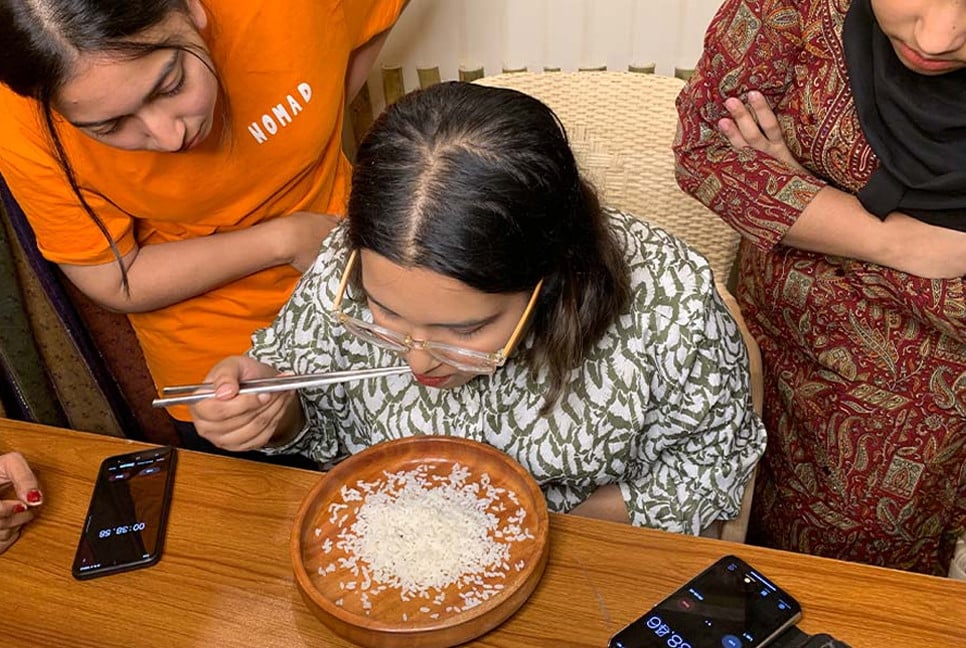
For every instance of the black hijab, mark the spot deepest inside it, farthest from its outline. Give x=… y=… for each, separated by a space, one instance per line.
x=916 y=124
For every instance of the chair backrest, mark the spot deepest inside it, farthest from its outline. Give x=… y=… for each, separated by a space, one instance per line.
x=621 y=126
x=735 y=530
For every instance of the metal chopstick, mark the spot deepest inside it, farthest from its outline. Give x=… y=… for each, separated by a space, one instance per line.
x=184 y=394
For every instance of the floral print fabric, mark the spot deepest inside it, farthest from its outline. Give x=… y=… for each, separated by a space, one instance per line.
x=865 y=366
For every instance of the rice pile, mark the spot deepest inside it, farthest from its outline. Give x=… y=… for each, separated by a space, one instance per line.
x=442 y=540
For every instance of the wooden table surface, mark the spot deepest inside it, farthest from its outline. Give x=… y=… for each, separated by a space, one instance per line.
x=225 y=580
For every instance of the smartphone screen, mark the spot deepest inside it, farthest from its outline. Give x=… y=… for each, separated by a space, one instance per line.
x=124 y=527
x=728 y=605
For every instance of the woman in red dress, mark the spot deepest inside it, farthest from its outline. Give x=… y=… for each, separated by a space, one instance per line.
x=832 y=135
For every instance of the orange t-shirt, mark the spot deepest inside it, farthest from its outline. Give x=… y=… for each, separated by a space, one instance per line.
x=283 y=68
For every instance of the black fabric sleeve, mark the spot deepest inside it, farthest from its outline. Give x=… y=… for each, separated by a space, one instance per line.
x=795 y=638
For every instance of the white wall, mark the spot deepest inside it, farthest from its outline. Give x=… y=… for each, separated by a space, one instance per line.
x=569 y=34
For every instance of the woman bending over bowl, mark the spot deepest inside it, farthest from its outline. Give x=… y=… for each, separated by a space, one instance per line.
x=588 y=346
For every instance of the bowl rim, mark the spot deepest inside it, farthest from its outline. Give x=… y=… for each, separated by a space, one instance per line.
x=532 y=571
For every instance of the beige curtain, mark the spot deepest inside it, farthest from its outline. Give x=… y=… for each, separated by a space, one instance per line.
x=497 y=35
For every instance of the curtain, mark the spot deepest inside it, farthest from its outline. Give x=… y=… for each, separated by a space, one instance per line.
x=498 y=35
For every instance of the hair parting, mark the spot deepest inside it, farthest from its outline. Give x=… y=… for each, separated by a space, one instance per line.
x=480 y=184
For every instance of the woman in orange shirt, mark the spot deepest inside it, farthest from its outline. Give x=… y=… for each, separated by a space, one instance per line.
x=181 y=160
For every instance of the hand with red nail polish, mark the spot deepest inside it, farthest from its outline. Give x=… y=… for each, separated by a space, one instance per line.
x=14 y=513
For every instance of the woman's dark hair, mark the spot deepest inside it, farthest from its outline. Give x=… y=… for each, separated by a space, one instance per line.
x=40 y=41
x=480 y=184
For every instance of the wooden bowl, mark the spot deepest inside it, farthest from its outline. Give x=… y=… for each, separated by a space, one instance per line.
x=353 y=606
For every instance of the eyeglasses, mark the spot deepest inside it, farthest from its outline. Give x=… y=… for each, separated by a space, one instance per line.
x=465 y=360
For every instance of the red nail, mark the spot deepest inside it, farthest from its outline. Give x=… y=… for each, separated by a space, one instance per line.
x=33 y=496
x=19 y=508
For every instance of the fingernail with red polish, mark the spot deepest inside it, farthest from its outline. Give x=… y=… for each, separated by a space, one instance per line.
x=19 y=508
x=33 y=496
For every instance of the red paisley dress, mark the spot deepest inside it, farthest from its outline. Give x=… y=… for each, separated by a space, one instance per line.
x=865 y=366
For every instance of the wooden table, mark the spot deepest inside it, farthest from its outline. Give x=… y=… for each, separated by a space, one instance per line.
x=225 y=579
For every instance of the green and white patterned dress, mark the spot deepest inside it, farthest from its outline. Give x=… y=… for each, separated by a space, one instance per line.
x=661 y=406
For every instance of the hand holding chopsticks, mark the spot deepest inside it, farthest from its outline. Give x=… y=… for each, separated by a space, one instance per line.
x=186 y=394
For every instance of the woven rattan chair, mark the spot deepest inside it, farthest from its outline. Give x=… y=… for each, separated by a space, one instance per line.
x=621 y=126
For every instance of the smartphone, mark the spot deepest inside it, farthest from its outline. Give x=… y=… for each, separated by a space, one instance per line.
x=125 y=523
x=728 y=605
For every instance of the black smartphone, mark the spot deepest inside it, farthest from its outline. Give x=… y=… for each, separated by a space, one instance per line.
x=124 y=527
x=728 y=605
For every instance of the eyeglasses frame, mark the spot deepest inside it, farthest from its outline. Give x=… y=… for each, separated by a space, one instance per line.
x=493 y=359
